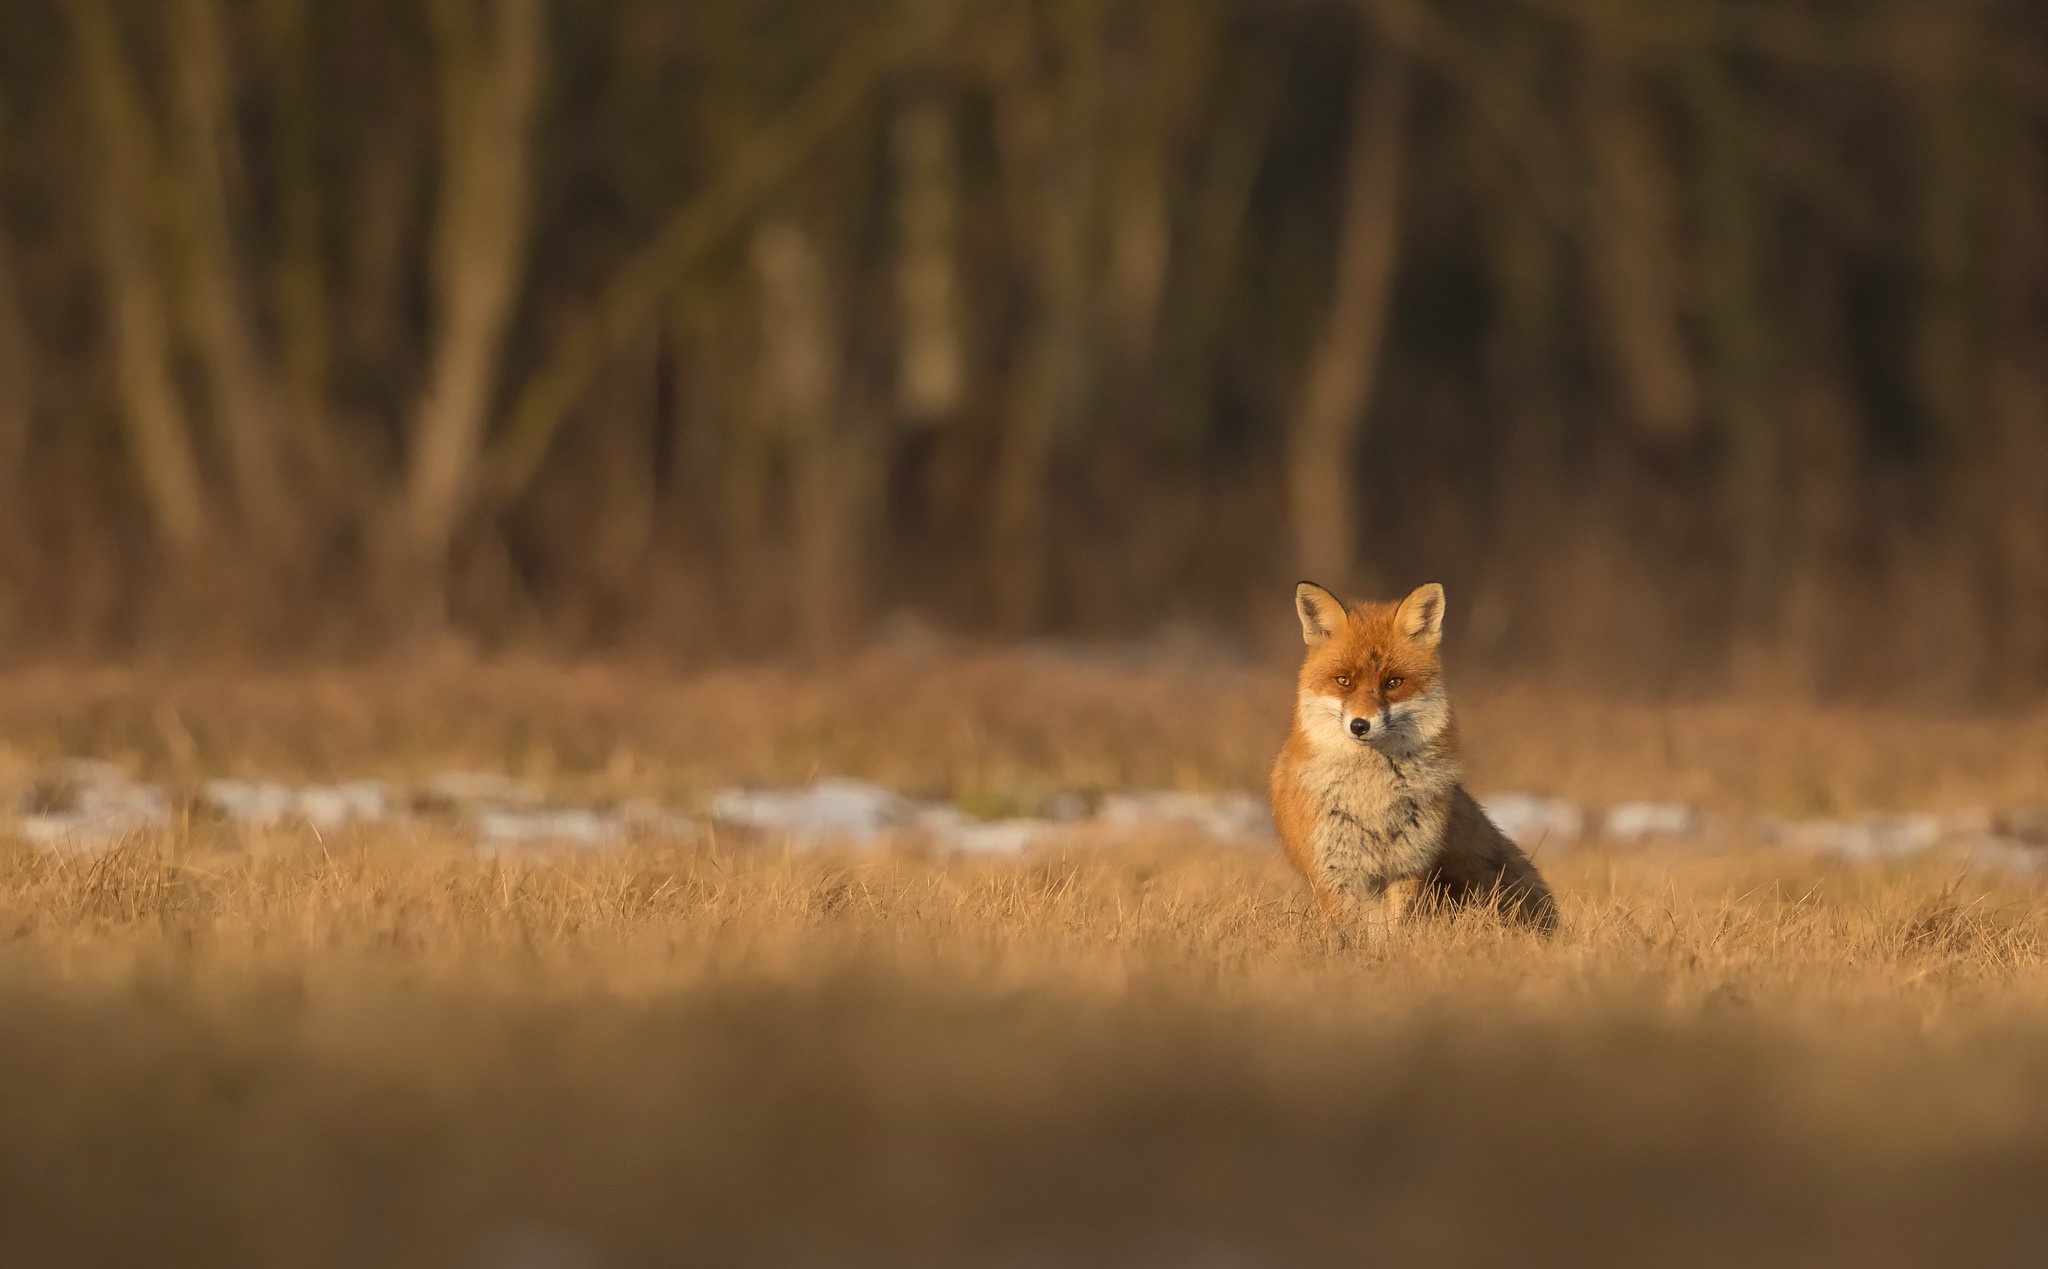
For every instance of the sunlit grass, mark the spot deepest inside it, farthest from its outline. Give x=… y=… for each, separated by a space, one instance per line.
x=230 y=1045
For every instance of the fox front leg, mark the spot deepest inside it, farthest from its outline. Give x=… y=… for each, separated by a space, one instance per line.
x=1397 y=901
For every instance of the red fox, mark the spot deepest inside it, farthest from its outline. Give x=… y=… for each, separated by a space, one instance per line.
x=1366 y=791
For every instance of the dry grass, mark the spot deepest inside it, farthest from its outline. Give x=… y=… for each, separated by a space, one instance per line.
x=267 y=1048
x=996 y=724
x=274 y=1050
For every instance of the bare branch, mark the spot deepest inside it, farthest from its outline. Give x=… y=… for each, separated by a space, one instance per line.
x=629 y=301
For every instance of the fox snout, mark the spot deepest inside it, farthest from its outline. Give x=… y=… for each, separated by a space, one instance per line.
x=1361 y=726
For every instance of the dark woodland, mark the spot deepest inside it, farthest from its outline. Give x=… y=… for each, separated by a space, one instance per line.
x=1686 y=341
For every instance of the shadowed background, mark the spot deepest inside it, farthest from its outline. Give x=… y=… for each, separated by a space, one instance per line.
x=1692 y=342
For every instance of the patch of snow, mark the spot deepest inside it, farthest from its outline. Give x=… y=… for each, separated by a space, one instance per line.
x=259 y=803
x=2004 y=854
x=503 y=831
x=1533 y=821
x=331 y=806
x=1223 y=816
x=940 y=818
x=1636 y=821
x=951 y=829
x=1876 y=838
x=1899 y=836
x=652 y=819
x=262 y=803
x=1066 y=807
x=84 y=806
x=834 y=808
x=997 y=837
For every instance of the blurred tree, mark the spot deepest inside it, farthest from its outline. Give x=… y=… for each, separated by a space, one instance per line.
x=1638 y=264
x=1343 y=371
x=931 y=370
x=240 y=379
x=628 y=320
x=17 y=369
x=490 y=80
x=1047 y=75
x=126 y=207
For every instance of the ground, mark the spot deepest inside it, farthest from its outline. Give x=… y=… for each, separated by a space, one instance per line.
x=237 y=1046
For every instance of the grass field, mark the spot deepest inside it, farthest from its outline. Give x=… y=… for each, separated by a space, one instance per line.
x=228 y=1046
x=994 y=723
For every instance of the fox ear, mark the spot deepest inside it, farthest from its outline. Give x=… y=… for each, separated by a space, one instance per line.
x=1321 y=612
x=1421 y=615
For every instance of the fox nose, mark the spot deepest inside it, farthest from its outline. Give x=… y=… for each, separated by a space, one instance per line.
x=1360 y=726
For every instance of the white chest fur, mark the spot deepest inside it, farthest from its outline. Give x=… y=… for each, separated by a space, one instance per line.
x=1379 y=818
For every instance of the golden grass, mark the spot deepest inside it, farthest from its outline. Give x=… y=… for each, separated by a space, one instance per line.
x=268 y=1049
x=230 y=1047
x=997 y=724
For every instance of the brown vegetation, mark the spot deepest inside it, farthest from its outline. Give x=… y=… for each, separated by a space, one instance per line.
x=230 y=1049
x=230 y=1045
x=1003 y=723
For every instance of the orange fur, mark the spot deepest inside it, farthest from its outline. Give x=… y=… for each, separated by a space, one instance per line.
x=1366 y=792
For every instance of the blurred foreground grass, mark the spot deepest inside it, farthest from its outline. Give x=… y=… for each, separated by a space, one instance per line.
x=381 y=1050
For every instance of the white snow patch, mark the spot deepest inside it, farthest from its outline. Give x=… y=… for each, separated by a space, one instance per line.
x=84 y=806
x=1636 y=821
x=1532 y=820
x=1869 y=840
x=854 y=810
x=503 y=831
x=1223 y=816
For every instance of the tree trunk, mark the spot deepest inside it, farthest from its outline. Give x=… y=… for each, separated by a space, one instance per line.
x=1955 y=350
x=633 y=297
x=299 y=276
x=159 y=437
x=1504 y=619
x=1633 y=242
x=930 y=375
x=381 y=209
x=490 y=75
x=2013 y=462
x=1156 y=89
x=1140 y=248
x=17 y=417
x=803 y=370
x=244 y=392
x=1323 y=447
x=1755 y=480
x=17 y=383
x=1955 y=273
x=1199 y=309
x=1047 y=119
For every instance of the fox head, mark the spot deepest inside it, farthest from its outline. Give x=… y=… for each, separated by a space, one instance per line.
x=1373 y=675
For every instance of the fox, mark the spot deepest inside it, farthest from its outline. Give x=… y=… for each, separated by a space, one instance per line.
x=1367 y=792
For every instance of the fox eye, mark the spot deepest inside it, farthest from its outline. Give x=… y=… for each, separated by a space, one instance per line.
x=1391 y=684
x=1343 y=680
